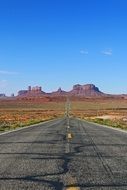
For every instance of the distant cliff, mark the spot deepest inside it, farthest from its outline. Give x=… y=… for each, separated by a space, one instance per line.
x=88 y=90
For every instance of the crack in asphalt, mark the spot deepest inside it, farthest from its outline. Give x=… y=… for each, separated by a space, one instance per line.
x=61 y=156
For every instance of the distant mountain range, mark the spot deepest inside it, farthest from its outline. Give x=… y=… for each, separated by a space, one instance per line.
x=87 y=90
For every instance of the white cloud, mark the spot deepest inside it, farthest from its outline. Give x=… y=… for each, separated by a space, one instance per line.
x=84 y=52
x=8 y=72
x=3 y=84
x=107 y=52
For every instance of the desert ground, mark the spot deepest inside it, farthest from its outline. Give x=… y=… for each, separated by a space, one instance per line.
x=21 y=112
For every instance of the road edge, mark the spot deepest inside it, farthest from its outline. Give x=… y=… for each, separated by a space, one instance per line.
x=105 y=126
x=25 y=127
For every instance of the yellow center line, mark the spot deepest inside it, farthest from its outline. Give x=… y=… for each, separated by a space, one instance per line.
x=69 y=135
x=73 y=188
x=72 y=181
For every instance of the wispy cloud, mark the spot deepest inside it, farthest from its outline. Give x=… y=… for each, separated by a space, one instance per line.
x=3 y=72
x=3 y=83
x=107 y=52
x=84 y=52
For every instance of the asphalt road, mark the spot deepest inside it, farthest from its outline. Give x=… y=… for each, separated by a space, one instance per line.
x=53 y=156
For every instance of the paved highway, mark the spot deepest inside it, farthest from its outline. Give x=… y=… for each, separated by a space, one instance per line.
x=55 y=156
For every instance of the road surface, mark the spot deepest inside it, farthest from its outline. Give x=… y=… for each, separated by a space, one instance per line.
x=56 y=156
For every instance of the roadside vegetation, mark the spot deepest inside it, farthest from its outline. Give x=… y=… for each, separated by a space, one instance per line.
x=109 y=112
x=12 y=119
x=15 y=114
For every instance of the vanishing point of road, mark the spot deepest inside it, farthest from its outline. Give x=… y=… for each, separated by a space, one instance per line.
x=55 y=156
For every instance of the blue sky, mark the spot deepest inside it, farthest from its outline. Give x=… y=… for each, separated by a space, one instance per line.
x=59 y=43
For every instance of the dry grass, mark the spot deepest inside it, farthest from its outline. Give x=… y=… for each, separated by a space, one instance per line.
x=111 y=112
x=11 y=119
x=15 y=114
